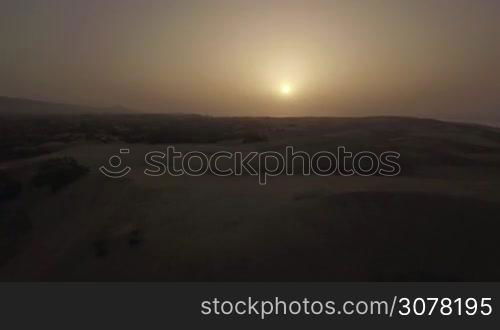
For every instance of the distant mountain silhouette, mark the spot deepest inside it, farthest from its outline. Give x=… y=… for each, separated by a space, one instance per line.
x=11 y=105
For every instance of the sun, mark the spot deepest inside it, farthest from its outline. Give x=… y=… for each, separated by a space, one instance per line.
x=286 y=89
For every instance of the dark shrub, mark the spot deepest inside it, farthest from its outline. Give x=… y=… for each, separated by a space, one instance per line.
x=14 y=225
x=101 y=247
x=9 y=188
x=58 y=173
x=135 y=238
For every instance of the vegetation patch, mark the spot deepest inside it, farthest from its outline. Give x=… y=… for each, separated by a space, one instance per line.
x=58 y=172
x=9 y=188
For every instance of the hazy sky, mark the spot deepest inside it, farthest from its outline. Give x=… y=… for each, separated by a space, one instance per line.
x=436 y=58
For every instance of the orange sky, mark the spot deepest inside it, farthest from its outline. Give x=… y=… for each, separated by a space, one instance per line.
x=421 y=58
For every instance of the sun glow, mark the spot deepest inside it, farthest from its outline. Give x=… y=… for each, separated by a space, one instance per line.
x=286 y=89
